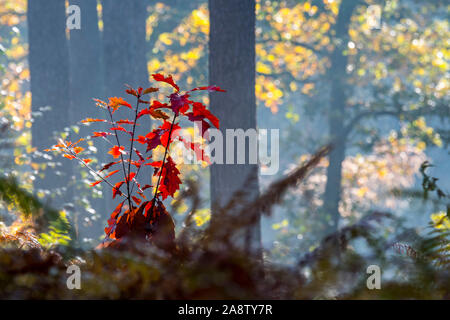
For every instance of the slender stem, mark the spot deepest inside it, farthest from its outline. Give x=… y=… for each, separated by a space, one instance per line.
x=90 y=169
x=121 y=157
x=164 y=161
x=131 y=148
x=135 y=178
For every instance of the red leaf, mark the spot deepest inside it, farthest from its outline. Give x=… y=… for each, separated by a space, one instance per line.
x=155 y=164
x=169 y=80
x=179 y=103
x=113 y=219
x=143 y=112
x=158 y=105
x=209 y=88
x=101 y=134
x=119 y=128
x=109 y=165
x=111 y=173
x=116 y=189
x=136 y=199
x=152 y=139
x=170 y=181
x=130 y=176
x=93 y=184
x=199 y=109
x=199 y=152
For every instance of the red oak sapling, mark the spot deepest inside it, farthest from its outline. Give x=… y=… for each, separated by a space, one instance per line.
x=139 y=215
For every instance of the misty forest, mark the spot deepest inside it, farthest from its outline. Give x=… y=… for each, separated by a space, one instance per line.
x=224 y=149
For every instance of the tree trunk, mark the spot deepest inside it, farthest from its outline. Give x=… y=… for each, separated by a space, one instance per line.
x=232 y=67
x=49 y=73
x=124 y=45
x=85 y=62
x=336 y=114
x=86 y=81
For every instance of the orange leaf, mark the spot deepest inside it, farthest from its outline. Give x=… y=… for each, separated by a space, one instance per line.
x=93 y=184
x=116 y=151
x=111 y=173
x=115 y=102
x=77 y=150
x=88 y=120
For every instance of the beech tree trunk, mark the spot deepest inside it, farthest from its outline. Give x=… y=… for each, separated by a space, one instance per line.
x=86 y=82
x=336 y=113
x=124 y=45
x=49 y=73
x=232 y=67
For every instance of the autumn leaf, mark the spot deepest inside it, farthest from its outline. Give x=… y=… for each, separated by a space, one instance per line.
x=208 y=88
x=152 y=139
x=155 y=164
x=119 y=128
x=116 y=102
x=170 y=181
x=109 y=165
x=158 y=114
x=113 y=219
x=130 y=177
x=150 y=90
x=93 y=184
x=116 y=189
x=179 y=103
x=125 y=121
x=196 y=147
x=89 y=120
x=111 y=173
x=77 y=150
x=101 y=134
x=116 y=151
x=136 y=199
x=158 y=105
x=168 y=79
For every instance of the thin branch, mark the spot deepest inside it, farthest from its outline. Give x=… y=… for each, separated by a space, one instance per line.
x=164 y=161
x=121 y=157
x=91 y=169
x=130 y=158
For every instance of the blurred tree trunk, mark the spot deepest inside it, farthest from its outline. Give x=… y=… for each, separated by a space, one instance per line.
x=86 y=80
x=232 y=67
x=49 y=73
x=124 y=54
x=336 y=114
x=85 y=61
x=124 y=45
